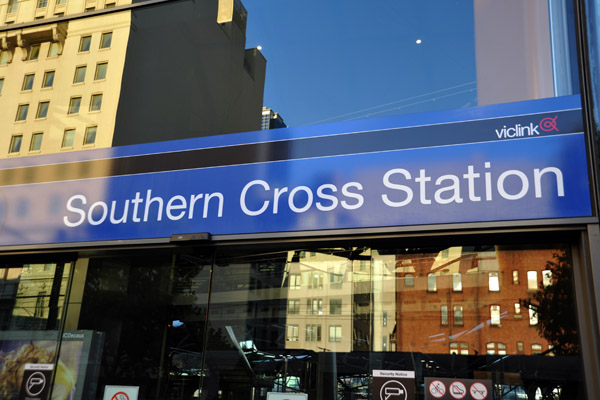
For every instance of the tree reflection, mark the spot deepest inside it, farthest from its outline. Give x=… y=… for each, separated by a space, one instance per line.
x=554 y=305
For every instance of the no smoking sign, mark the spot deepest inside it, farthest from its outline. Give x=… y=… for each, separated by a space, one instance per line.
x=457 y=389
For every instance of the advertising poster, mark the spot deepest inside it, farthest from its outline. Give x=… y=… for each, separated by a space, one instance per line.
x=393 y=385
x=27 y=359
x=458 y=389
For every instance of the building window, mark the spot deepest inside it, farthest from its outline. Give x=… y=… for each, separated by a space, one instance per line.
x=295 y=281
x=74 y=105
x=315 y=280
x=293 y=306
x=12 y=6
x=4 y=57
x=314 y=306
x=431 y=283
x=335 y=280
x=292 y=333
x=520 y=347
x=28 y=82
x=1 y=84
x=409 y=280
x=313 y=333
x=59 y=14
x=515 y=274
x=458 y=315
x=444 y=312
x=518 y=310
x=96 y=102
x=59 y=2
x=53 y=49
x=90 y=135
x=22 y=112
x=42 y=111
x=496 y=348
x=101 y=68
x=461 y=348
x=15 y=144
x=84 y=44
x=335 y=333
x=48 y=80
x=533 y=317
x=363 y=265
x=79 y=74
x=109 y=5
x=42 y=3
x=34 y=52
x=546 y=278
x=68 y=138
x=493 y=282
x=536 y=349
x=384 y=318
x=36 y=142
x=495 y=315
x=105 y=40
x=90 y=9
x=532 y=283
x=457 y=282
x=335 y=306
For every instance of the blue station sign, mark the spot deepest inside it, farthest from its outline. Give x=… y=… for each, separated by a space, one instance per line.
x=520 y=161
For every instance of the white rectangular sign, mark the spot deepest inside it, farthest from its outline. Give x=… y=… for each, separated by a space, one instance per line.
x=121 y=392
x=286 y=396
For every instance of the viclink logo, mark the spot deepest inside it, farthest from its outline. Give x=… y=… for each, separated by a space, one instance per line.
x=517 y=131
x=546 y=124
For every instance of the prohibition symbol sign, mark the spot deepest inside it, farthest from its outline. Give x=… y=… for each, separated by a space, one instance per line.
x=478 y=391
x=437 y=389
x=120 y=396
x=458 y=390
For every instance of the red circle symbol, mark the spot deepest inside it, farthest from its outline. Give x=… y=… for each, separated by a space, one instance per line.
x=120 y=396
x=437 y=389
x=458 y=390
x=478 y=391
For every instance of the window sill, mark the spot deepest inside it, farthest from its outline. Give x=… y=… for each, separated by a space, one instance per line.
x=73 y=115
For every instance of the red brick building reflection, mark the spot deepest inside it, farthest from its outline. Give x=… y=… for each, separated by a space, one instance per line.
x=469 y=300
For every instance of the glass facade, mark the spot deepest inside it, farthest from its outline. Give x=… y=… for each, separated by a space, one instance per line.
x=237 y=323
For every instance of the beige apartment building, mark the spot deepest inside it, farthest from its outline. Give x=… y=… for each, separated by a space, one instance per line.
x=79 y=74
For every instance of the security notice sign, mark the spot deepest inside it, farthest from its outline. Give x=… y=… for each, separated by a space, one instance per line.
x=393 y=385
x=458 y=389
x=36 y=381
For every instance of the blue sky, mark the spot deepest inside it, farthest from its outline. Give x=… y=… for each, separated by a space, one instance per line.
x=331 y=61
